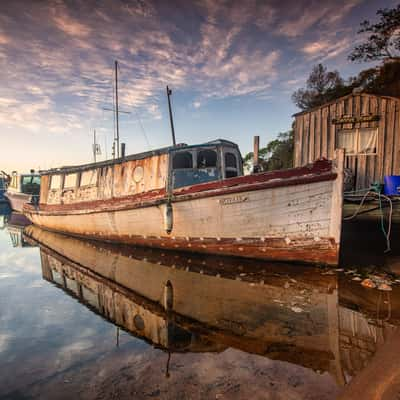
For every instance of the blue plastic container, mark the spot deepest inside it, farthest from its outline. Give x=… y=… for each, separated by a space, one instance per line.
x=392 y=185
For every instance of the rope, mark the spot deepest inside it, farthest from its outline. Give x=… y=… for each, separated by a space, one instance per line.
x=380 y=196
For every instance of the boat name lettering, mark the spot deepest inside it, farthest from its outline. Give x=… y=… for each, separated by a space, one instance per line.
x=233 y=200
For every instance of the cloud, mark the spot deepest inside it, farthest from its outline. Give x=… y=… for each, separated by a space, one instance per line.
x=301 y=16
x=327 y=49
x=70 y=26
x=60 y=83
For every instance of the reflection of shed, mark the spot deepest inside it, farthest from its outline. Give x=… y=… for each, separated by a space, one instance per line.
x=366 y=126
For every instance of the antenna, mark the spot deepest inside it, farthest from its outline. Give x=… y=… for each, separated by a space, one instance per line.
x=116 y=105
x=94 y=145
x=116 y=111
x=169 y=92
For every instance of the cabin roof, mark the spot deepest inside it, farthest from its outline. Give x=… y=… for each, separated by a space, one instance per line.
x=138 y=156
x=342 y=98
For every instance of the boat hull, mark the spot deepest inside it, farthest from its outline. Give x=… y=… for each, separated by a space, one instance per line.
x=291 y=223
x=18 y=200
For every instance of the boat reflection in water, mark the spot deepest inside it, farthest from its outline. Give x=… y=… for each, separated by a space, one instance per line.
x=15 y=223
x=311 y=317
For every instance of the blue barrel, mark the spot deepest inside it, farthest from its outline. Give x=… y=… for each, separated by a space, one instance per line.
x=392 y=185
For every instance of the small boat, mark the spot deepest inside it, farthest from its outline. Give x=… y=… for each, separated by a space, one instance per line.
x=23 y=188
x=196 y=198
x=4 y=179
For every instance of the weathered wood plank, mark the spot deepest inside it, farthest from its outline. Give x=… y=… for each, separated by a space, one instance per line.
x=324 y=131
x=306 y=140
x=299 y=126
x=396 y=146
x=332 y=130
x=381 y=139
x=361 y=168
x=389 y=145
x=312 y=138
x=317 y=145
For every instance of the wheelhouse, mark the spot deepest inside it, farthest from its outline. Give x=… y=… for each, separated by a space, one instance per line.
x=25 y=183
x=160 y=170
x=191 y=165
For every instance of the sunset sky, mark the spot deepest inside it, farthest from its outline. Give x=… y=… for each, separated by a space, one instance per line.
x=232 y=66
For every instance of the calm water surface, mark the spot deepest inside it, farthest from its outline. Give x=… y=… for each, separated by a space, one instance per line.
x=87 y=320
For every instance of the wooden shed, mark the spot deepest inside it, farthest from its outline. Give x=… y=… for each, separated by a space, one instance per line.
x=366 y=126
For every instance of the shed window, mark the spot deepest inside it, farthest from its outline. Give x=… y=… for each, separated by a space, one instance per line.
x=55 y=182
x=367 y=141
x=206 y=159
x=182 y=160
x=89 y=178
x=70 y=181
x=347 y=140
x=358 y=141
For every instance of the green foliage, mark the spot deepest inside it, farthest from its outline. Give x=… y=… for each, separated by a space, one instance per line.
x=322 y=86
x=383 y=80
x=277 y=154
x=383 y=43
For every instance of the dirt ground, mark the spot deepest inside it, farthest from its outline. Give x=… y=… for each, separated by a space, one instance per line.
x=231 y=374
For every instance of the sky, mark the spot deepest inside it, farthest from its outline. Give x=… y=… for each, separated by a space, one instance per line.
x=232 y=67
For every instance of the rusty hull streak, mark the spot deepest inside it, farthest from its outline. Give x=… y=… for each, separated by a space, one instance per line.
x=158 y=196
x=325 y=251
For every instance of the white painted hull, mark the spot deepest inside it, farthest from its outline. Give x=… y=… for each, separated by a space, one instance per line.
x=292 y=219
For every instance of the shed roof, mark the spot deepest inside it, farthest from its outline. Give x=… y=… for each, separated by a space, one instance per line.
x=342 y=98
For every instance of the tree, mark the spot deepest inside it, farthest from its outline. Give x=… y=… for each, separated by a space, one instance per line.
x=322 y=86
x=277 y=154
x=383 y=43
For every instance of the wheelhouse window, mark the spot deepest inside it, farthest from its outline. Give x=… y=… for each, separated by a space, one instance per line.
x=89 y=178
x=55 y=182
x=70 y=181
x=30 y=184
x=182 y=160
x=231 y=169
x=358 y=141
x=206 y=159
x=194 y=167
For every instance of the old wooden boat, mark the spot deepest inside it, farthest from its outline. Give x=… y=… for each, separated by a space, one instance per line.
x=196 y=198
x=23 y=188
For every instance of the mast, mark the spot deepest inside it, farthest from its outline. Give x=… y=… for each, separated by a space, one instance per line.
x=94 y=145
x=169 y=92
x=116 y=105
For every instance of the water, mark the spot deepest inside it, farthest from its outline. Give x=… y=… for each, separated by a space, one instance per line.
x=87 y=320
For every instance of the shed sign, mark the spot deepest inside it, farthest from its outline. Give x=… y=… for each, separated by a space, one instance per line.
x=348 y=119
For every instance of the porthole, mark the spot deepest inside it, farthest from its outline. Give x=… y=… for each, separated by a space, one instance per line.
x=138 y=322
x=138 y=174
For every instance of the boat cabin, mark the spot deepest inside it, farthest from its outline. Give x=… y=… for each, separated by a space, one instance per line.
x=159 y=171
x=191 y=165
x=24 y=183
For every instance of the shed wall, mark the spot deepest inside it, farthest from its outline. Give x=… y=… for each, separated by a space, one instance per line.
x=316 y=136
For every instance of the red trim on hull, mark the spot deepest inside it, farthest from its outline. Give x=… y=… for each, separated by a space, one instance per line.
x=155 y=197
